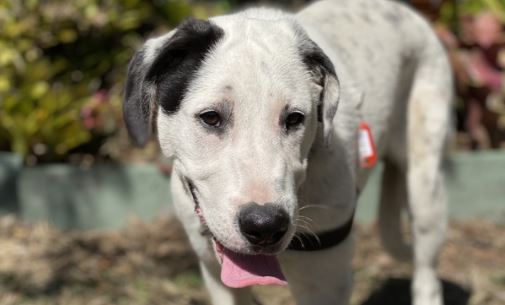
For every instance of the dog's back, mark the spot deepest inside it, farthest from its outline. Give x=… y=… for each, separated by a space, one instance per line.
x=401 y=69
x=381 y=45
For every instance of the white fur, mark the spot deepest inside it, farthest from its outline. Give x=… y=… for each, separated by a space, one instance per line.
x=406 y=103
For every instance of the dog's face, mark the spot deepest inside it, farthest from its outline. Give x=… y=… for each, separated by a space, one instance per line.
x=238 y=102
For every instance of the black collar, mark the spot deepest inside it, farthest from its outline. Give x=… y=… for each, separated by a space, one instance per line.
x=323 y=240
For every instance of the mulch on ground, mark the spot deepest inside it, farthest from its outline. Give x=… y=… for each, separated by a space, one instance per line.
x=151 y=263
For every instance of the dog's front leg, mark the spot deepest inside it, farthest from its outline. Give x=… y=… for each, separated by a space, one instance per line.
x=320 y=277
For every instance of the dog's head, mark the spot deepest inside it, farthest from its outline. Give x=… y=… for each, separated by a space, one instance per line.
x=238 y=101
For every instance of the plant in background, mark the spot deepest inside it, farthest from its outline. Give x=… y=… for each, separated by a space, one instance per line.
x=477 y=51
x=62 y=65
x=473 y=7
x=451 y=11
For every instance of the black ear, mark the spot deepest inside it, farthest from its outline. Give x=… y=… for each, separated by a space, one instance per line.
x=324 y=76
x=159 y=74
x=137 y=101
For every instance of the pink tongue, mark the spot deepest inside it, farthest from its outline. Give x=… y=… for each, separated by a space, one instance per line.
x=240 y=270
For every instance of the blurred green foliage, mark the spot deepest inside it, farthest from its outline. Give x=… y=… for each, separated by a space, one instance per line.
x=472 y=7
x=63 y=63
x=454 y=9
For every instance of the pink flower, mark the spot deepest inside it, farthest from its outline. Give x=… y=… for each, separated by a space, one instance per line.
x=101 y=96
x=486 y=29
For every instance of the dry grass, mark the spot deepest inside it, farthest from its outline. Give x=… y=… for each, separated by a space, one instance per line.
x=142 y=264
x=151 y=263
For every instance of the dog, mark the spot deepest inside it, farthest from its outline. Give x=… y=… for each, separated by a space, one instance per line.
x=274 y=121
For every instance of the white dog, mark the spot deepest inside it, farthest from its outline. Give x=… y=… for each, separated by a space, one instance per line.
x=267 y=114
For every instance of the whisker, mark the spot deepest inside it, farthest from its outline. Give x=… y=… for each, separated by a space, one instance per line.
x=309 y=231
x=303 y=222
x=323 y=207
x=299 y=239
x=305 y=218
x=315 y=236
x=304 y=228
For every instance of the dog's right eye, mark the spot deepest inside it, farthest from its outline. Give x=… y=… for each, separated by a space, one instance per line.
x=294 y=119
x=211 y=118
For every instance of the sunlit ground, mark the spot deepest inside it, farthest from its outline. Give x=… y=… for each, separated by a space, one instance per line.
x=151 y=263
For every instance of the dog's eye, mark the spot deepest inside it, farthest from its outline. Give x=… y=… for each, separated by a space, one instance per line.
x=294 y=119
x=211 y=118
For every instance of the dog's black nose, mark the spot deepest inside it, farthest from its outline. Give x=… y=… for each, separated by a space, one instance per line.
x=263 y=225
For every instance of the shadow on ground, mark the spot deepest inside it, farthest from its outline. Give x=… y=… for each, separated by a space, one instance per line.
x=397 y=291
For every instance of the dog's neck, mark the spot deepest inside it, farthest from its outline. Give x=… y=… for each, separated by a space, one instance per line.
x=329 y=191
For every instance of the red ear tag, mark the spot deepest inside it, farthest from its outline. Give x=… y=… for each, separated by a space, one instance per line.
x=367 y=151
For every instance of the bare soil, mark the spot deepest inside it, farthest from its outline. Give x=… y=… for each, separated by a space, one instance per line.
x=151 y=263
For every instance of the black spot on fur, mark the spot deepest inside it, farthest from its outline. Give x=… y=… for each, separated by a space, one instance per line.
x=165 y=80
x=180 y=58
x=395 y=17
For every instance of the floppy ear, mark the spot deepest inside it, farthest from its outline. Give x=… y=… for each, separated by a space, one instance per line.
x=138 y=100
x=325 y=79
x=159 y=74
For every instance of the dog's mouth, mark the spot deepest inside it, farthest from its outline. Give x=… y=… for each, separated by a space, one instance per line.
x=240 y=270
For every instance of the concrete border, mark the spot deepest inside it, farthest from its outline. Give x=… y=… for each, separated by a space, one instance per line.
x=475 y=182
x=107 y=196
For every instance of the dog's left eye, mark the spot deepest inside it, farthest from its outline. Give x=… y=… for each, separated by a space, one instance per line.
x=211 y=118
x=294 y=119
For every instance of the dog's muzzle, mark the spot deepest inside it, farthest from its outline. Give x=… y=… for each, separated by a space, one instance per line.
x=264 y=226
